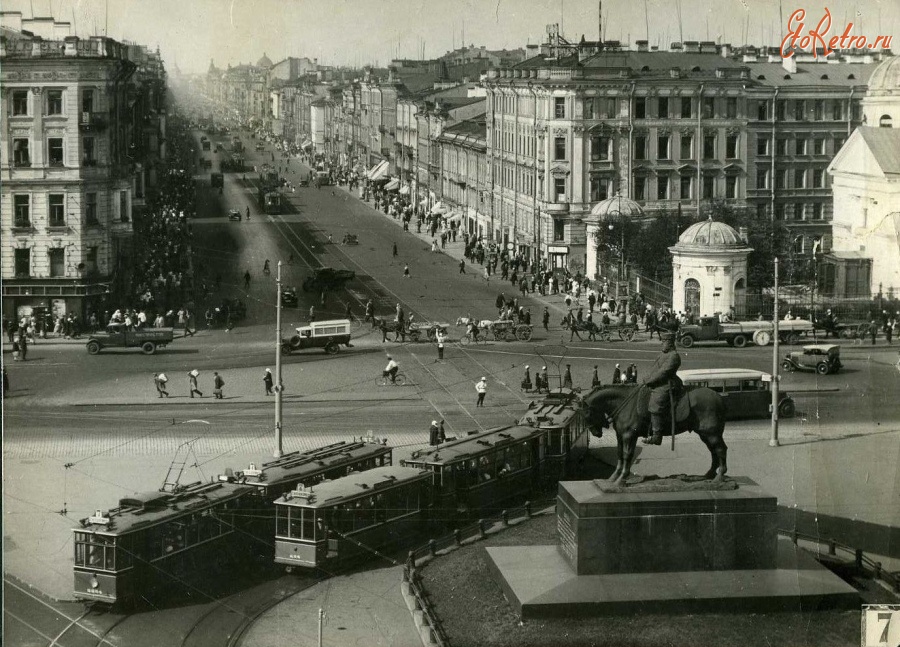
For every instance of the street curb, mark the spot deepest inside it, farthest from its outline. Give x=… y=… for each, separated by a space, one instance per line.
x=237 y=400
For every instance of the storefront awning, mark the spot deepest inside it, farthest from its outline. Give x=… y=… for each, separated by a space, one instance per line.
x=393 y=185
x=404 y=190
x=439 y=208
x=379 y=171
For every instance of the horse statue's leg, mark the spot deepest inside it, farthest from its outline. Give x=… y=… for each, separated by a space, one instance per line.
x=718 y=451
x=629 y=442
x=620 y=463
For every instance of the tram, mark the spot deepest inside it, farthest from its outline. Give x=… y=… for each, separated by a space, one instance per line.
x=155 y=539
x=484 y=469
x=352 y=516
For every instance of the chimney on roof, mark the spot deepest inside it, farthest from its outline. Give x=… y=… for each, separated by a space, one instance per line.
x=642 y=45
x=789 y=64
x=726 y=50
x=11 y=20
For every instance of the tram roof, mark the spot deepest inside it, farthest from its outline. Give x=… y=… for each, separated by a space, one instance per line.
x=299 y=465
x=150 y=508
x=353 y=485
x=474 y=445
x=555 y=410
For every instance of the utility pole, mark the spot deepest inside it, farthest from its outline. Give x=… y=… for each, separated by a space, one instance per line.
x=773 y=441
x=278 y=440
x=321 y=624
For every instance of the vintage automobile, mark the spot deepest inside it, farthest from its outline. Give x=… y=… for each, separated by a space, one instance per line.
x=821 y=358
x=118 y=336
x=234 y=214
x=328 y=335
x=289 y=297
x=747 y=393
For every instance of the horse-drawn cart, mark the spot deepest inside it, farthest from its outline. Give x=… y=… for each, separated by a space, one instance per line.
x=428 y=329
x=509 y=330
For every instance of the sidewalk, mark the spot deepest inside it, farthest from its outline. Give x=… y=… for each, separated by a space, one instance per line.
x=365 y=608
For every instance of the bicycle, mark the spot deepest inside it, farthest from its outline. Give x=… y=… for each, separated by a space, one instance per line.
x=467 y=339
x=385 y=380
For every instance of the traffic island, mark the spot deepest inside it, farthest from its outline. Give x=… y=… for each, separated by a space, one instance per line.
x=664 y=551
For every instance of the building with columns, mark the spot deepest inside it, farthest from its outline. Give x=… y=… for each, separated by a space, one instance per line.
x=81 y=123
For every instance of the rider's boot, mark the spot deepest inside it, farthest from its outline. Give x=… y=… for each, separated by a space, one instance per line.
x=657 y=425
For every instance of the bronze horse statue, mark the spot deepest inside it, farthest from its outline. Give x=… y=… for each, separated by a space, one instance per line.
x=700 y=410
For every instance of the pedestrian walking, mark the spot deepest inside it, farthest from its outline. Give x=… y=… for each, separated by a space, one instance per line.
x=370 y=311
x=247 y=280
x=545 y=378
x=218 y=383
x=433 y=432
x=395 y=250
x=462 y=266
x=267 y=382
x=595 y=378
x=873 y=332
x=6 y=385
x=23 y=345
x=406 y=270
x=442 y=435
x=617 y=375
x=567 y=377
x=160 y=379
x=545 y=319
x=192 y=383
x=312 y=313
x=481 y=389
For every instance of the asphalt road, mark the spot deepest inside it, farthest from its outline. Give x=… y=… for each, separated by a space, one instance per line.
x=80 y=428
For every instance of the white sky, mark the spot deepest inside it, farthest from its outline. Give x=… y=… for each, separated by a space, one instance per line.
x=356 y=32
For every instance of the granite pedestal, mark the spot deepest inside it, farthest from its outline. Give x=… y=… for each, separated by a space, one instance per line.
x=671 y=551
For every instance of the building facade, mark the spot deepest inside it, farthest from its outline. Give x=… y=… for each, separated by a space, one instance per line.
x=76 y=147
x=466 y=186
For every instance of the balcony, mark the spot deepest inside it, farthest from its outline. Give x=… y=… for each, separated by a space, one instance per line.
x=555 y=208
x=91 y=121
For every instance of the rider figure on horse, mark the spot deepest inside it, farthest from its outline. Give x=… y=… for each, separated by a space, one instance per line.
x=662 y=376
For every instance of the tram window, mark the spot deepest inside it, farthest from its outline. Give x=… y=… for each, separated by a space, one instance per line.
x=110 y=562
x=124 y=556
x=751 y=385
x=718 y=387
x=732 y=387
x=460 y=472
x=486 y=468
x=380 y=504
x=309 y=524
x=555 y=441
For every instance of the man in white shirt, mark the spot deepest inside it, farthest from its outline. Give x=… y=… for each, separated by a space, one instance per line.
x=391 y=369
x=481 y=389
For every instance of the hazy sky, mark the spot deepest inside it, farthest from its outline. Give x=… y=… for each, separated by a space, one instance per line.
x=355 y=32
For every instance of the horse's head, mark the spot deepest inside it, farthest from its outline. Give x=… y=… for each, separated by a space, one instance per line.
x=605 y=405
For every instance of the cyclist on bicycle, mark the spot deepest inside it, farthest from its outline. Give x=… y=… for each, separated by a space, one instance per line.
x=391 y=369
x=472 y=331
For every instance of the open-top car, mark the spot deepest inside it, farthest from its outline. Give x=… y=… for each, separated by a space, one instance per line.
x=234 y=214
x=821 y=358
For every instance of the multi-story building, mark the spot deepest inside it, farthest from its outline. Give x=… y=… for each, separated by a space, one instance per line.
x=675 y=131
x=466 y=185
x=76 y=121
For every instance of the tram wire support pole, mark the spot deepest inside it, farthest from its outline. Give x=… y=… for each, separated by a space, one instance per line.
x=773 y=441
x=321 y=625
x=278 y=388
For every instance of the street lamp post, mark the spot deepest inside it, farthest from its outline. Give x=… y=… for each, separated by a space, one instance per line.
x=278 y=439
x=773 y=441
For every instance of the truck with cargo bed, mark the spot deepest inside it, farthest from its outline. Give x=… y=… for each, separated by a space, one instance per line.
x=740 y=333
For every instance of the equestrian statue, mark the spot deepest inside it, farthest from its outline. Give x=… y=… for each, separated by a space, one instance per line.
x=660 y=407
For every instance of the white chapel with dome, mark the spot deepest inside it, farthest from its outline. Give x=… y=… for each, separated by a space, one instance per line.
x=709 y=269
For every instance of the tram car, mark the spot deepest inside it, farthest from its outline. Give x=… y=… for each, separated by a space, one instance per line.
x=561 y=416
x=485 y=469
x=133 y=549
x=337 y=521
x=153 y=540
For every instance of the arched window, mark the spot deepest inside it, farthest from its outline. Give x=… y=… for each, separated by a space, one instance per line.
x=692 y=296
x=885 y=122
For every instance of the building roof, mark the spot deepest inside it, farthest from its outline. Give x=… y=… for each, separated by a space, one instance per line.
x=842 y=75
x=617 y=206
x=329 y=493
x=469 y=132
x=710 y=233
x=885 y=146
x=886 y=77
x=264 y=63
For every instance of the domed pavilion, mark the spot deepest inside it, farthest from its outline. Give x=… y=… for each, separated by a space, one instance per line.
x=709 y=269
x=881 y=103
x=603 y=221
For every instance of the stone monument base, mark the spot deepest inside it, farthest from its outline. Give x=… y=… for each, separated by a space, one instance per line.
x=539 y=582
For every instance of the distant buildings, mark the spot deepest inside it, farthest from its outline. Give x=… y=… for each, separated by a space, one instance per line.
x=865 y=258
x=83 y=124
x=568 y=125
